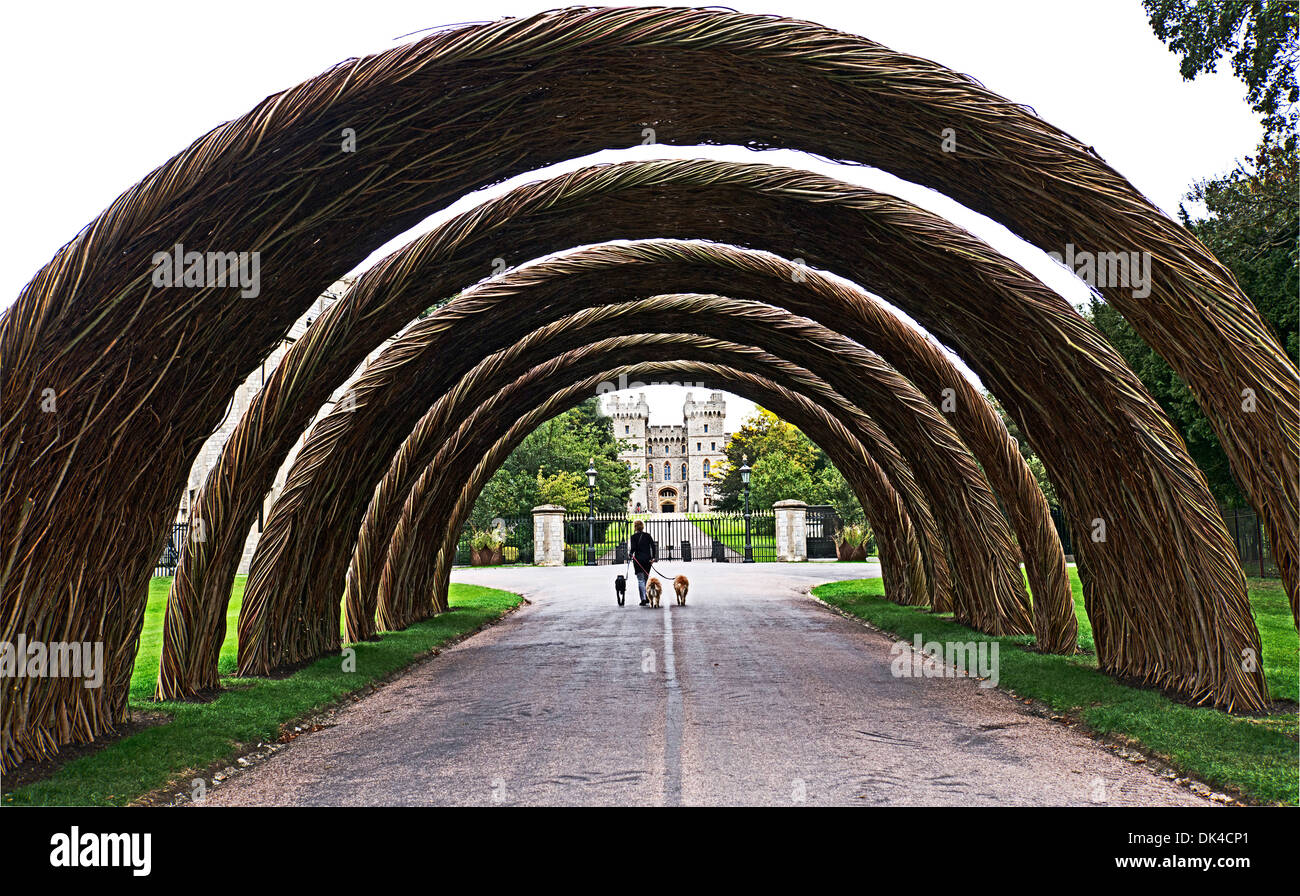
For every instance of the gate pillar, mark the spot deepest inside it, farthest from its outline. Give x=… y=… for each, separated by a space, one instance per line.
x=791 y=531
x=548 y=535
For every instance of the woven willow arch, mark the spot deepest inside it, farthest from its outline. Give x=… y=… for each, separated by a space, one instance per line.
x=846 y=214
x=268 y=624
x=444 y=424
x=425 y=564
x=900 y=542
x=783 y=333
x=455 y=111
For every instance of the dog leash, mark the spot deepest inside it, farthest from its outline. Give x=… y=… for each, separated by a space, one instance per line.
x=654 y=567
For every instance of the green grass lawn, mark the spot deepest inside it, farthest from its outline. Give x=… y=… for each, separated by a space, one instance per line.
x=730 y=530
x=145 y=675
x=249 y=711
x=1256 y=756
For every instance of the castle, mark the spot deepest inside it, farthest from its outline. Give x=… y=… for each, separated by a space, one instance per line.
x=674 y=462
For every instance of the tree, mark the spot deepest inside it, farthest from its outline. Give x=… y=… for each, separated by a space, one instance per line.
x=830 y=487
x=776 y=477
x=506 y=494
x=567 y=488
x=1260 y=38
x=785 y=463
x=762 y=433
x=1252 y=224
x=550 y=467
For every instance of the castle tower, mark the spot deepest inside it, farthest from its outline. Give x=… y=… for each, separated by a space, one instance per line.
x=706 y=445
x=631 y=424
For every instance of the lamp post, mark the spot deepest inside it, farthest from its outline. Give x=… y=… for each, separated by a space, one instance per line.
x=744 y=477
x=591 y=512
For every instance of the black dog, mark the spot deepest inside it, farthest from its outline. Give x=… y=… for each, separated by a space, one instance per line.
x=620 y=588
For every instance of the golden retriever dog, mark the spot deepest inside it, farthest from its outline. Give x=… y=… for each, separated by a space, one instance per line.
x=653 y=589
x=681 y=585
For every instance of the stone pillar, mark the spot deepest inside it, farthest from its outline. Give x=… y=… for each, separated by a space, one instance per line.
x=548 y=535
x=791 y=531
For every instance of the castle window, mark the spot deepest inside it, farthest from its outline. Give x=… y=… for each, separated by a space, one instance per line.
x=699 y=446
x=650 y=472
x=684 y=476
x=668 y=472
x=713 y=446
x=706 y=427
x=627 y=428
x=706 y=467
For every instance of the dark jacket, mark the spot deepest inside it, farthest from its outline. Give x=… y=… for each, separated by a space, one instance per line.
x=644 y=552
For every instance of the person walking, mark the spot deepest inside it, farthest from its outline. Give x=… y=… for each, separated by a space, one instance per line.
x=644 y=553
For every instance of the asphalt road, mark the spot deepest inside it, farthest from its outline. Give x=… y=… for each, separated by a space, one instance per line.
x=751 y=694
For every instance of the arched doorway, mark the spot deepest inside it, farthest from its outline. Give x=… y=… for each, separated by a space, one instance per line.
x=668 y=500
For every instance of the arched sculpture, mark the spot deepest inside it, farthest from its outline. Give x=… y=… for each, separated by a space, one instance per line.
x=426 y=563
x=407 y=554
x=141 y=369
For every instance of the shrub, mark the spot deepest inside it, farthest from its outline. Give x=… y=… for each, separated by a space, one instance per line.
x=852 y=534
x=488 y=538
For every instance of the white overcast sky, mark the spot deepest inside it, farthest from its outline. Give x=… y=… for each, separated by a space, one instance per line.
x=98 y=94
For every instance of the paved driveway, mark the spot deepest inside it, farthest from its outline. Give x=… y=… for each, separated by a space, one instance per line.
x=751 y=694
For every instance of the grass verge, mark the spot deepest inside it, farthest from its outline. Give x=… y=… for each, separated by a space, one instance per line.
x=249 y=711
x=1255 y=757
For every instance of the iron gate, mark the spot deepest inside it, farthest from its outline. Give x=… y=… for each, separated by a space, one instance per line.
x=171 y=552
x=822 y=524
x=679 y=537
x=1254 y=553
x=1253 y=550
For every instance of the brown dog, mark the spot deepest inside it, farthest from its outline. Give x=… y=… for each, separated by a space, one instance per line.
x=681 y=585
x=653 y=589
